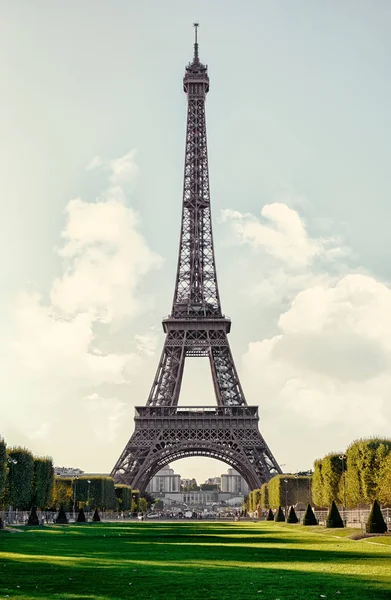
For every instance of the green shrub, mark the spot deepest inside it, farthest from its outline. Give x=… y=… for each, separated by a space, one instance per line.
x=123 y=494
x=33 y=517
x=309 y=517
x=279 y=515
x=270 y=516
x=81 y=517
x=334 y=519
x=43 y=482
x=3 y=470
x=96 y=517
x=99 y=493
x=264 y=499
x=288 y=490
x=63 y=493
x=61 y=518
x=375 y=523
x=292 y=517
x=20 y=478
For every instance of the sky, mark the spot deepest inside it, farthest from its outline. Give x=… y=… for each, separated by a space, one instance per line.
x=93 y=121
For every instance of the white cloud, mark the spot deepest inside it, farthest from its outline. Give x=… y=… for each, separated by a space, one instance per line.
x=328 y=365
x=54 y=348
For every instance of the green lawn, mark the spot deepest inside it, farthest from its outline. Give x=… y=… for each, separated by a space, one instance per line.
x=192 y=561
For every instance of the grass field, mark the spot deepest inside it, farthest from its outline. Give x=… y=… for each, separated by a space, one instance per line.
x=192 y=561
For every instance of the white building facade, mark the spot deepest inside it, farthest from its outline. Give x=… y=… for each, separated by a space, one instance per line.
x=165 y=481
x=233 y=483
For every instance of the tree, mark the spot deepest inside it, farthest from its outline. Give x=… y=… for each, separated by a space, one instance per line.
x=375 y=523
x=384 y=485
x=63 y=492
x=3 y=470
x=309 y=517
x=43 y=482
x=123 y=494
x=364 y=460
x=287 y=490
x=33 y=517
x=292 y=517
x=318 y=488
x=143 y=505
x=97 y=490
x=20 y=478
x=264 y=499
x=279 y=515
x=334 y=519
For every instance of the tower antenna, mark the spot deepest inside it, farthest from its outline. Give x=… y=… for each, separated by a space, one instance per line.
x=196 y=26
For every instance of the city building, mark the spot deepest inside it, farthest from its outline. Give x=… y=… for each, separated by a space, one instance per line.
x=233 y=483
x=68 y=472
x=165 y=481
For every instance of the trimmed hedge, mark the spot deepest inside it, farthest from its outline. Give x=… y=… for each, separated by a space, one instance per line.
x=20 y=478
x=100 y=493
x=43 y=482
x=61 y=518
x=375 y=523
x=33 y=517
x=3 y=470
x=280 y=517
x=334 y=518
x=81 y=517
x=96 y=517
x=270 y=516
x=292 y=517
x=294 y=490
x=309 y=517
x=123 y=495
x=63 y=493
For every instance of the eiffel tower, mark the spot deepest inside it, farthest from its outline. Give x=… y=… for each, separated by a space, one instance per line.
x=164 y=431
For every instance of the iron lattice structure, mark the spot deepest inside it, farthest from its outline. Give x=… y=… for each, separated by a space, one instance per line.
x=196 y=327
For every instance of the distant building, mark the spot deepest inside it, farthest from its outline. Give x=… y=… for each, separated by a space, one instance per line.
x=68 y=472
x=164 y=481
x=233 y=483
x=215 y=481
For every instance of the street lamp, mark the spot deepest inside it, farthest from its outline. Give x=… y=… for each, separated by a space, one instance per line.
x=286 y=498
x=297 y=488
x=343 y=459
x=88 y=496
x=74 y=496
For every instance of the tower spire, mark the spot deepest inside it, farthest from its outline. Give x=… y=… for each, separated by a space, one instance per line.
x=196 y=59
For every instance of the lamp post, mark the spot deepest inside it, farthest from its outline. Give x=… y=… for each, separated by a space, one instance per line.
x=343 y=459
x=11 y=461
x=88 y=496
x=74 y=496
x=297 y=488
x=286 y=498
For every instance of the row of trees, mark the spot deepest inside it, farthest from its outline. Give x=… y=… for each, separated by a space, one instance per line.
x=281 y=490
x=27 y=480
x=355 y=478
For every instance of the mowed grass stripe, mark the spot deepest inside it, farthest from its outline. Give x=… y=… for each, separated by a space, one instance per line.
x=192 y=560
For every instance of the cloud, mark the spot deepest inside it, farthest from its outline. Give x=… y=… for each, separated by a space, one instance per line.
x=56 y=348
x=327 y=366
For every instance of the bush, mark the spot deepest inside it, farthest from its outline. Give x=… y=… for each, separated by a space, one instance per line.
x=96 y=517
x=63 y=493
x=33 y=517
x=279 y=515
x=43 y=482
x=123 y=494
x=270 y=516
x=81 y=518
x=364 y=461
x=20 y=478
x=288 y=490
x=334 y=519
x=309 y=517
x=292 y=517
x=61 y=517
x=1 y=523
x=375 y=523
x=99 y=493
x=264 y=499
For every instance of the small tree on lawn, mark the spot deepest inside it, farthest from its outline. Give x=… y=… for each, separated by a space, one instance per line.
x=61 y=517
x=292 y=517
x=33 y=517
x=96 y=517
x=334 y=519
x=81 y=517
x=309 y=517
x=279 y=515
x=375 y=523
x=1 y=523
x=270 y=516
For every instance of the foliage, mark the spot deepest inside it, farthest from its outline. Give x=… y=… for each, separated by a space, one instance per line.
x=309 y=517
x=81 y=517
x=331 y=476
x=159 y=504
x=384 y=487
x=264 y=499
x=292 y=517
x=135 y=501
x=96 y=517
x=1 y=523
x=33 y=517
x=375 y=523
x=43 y=482
x=123 y=494
x=61 y=518
x=279 y=515
x=63 y=493
x=334 y=519
x=20 y=478
x=365 y=459
x=148 y=498
x=288 y=490
x=143 y=505
x=3 y=470
x=95 y=492
x=270 y=516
